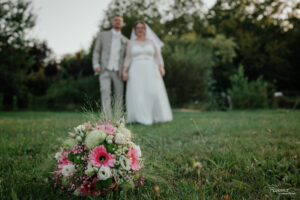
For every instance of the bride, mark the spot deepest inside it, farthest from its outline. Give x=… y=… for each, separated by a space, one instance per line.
x=146 y=97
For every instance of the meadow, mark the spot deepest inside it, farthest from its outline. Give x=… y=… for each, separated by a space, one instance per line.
x=244 y=155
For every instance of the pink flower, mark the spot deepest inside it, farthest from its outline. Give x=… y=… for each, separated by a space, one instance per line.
x=110 y=129
x=99 y=157
x=89 y=188
x=134 y=159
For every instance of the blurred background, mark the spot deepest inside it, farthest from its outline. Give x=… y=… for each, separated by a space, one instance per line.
x=219 y=55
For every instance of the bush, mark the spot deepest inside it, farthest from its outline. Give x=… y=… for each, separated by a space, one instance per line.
x=247 y=94
x=188 y=70
x=71 y=93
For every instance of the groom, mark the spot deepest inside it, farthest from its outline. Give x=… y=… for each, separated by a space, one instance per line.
x=108 y=57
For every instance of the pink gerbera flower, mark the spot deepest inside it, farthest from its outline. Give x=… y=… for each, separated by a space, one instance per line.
x=99 y=157
x=134 y=159
x=110 y=129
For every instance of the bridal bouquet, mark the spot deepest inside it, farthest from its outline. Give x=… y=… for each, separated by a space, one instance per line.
x=98 y=158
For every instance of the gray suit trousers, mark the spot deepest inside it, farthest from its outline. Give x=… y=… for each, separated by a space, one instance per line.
x=106 y=78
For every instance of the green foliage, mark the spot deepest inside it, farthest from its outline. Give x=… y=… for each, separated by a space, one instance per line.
x=188 y=70
x=177 y=17
x=247 y=94
x=72 y=93
x=242 y=154
x=15 y=19
x=198 y=69
x=224 y=49
x=252 y=33
x=103 y=184
x=262 y=37
x=77 y=65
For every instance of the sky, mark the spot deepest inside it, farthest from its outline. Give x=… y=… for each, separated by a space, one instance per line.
x=70 y=25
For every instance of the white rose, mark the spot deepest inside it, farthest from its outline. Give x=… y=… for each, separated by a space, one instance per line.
x=125 y=132
x=104 y=173
x=78 y=138
x=90 y=171
x=94 y=138
x=96 y=168
x=120 y=138
x=125 y=163
x=67 y=170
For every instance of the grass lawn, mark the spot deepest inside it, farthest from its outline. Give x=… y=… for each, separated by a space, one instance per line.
x=244 y=154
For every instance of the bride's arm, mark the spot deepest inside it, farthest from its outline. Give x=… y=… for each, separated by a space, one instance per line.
x=159 y=60
x=127 y=62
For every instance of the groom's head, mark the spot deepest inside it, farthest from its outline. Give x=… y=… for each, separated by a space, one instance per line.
x=117 y=22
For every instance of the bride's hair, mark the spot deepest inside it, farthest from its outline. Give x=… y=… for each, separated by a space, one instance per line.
x=139 y=22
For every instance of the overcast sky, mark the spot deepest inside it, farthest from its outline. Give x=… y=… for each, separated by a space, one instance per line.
x=69 y=25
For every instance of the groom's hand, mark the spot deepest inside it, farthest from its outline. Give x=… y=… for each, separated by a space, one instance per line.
x=97 y=69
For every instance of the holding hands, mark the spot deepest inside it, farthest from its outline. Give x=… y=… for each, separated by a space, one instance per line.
x=124 y=76
x=97 y=69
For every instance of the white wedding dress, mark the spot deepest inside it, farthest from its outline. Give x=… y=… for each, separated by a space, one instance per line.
x=146 y=97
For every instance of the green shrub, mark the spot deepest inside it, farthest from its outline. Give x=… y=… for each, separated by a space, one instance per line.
x=247 y=94
x=188 y=70
x=72 y=93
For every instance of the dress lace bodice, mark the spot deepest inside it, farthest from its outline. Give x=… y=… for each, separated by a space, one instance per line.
x=142 y=50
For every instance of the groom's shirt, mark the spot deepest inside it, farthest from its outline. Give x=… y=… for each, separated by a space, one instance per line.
x=113 y=63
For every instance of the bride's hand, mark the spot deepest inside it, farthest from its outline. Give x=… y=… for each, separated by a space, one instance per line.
x=125 y=77
x=162 y=71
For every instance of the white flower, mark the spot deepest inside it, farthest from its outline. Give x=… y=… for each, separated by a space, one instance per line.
x=121 y=172
x=94 y=138
x=77 y=192
x=58 y=156
x=125 y=132
x=95 y=168
x=90 y=171
x=114 y=172
x=68 y=170
x=104 y=173
x=125 y=163
x=120 y=138
x=109 y=139
x=118 y=179
x=78 y=138
x=79 y=128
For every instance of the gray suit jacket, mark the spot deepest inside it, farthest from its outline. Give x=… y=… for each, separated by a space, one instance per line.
x=101 y=53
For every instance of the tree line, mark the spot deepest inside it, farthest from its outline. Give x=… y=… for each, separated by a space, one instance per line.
x=241 y=49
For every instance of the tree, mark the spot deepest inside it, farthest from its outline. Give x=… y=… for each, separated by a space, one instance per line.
x=16 y=18
x=261 y=34
x=174 y=17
